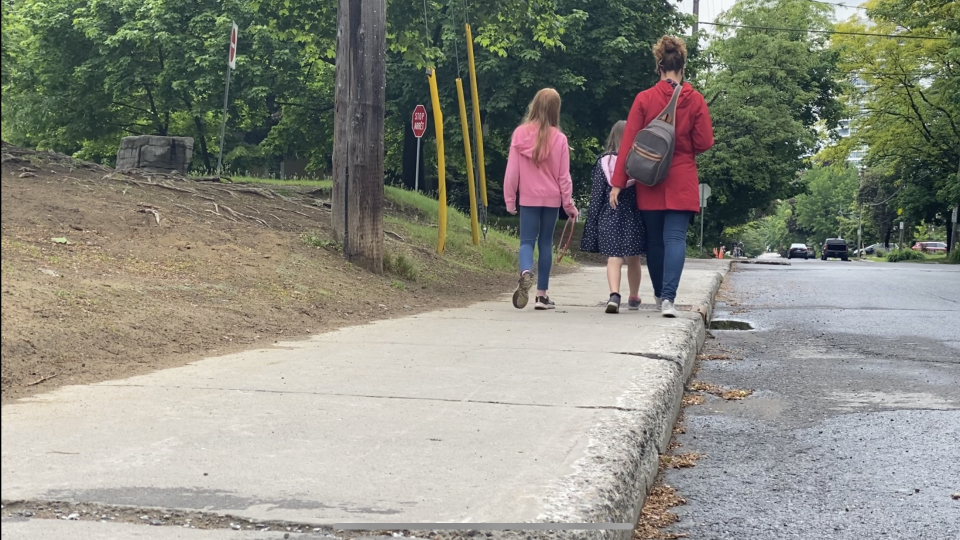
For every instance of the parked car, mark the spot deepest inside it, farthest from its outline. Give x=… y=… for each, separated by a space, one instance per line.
x=873 y=248
x=835 y=248
x=930 y=247
x=798 y=251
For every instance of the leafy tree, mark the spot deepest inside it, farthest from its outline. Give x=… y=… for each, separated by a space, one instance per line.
x=828 y=209
x=768 y=90
x=912 y=109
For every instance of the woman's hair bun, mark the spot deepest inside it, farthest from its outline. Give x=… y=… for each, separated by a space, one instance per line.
x=670 y=53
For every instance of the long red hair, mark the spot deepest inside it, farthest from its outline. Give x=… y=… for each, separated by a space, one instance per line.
x=544 y=111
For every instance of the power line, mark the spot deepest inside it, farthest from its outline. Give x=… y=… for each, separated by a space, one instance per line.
x=897 y=36
x=782 y=68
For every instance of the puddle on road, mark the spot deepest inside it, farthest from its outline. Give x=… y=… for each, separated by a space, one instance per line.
x=729 y=324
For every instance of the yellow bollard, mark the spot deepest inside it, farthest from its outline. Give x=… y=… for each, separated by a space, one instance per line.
x=474 y=223
x=441 y=176
x=478 y=129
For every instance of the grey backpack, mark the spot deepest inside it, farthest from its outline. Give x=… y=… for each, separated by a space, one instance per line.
x=649 y=160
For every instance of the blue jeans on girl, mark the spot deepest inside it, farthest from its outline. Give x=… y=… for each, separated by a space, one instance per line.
x=536 y=227
x=666 y=249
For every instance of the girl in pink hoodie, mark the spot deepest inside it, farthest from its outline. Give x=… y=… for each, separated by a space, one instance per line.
x=539 y=168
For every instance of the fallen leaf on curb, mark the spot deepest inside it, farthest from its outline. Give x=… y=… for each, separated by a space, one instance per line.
x=693 y=399
x=955 y=496
x=734 y=395
x=713 y=357
x=705 y=387
x=679 y=461
x=656 y=514
x=60 y=240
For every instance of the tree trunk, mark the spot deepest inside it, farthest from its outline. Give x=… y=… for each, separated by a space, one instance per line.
x=357 y=198
x=201 y=134
x=950 y=245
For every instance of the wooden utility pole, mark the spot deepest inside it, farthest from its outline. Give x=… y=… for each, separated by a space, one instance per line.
x=357 y=198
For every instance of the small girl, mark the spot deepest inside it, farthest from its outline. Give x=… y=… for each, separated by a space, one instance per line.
x=617 y=232
x=538 y=169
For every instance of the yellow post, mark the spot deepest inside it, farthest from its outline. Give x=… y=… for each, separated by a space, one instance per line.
x=441 y=176
x=474 y=223
x=478 y=129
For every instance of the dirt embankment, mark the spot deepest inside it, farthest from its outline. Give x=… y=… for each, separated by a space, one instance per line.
x=108 y=275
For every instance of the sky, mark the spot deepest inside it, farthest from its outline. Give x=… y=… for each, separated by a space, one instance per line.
x=710 y=9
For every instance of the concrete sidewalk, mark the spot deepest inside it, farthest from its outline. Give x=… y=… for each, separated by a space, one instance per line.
x=484 y=414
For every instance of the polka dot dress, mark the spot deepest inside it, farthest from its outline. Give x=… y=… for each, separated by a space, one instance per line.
x=614 y=233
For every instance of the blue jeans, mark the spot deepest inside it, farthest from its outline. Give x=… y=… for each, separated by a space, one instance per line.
x=666 y=249
x=536 y=227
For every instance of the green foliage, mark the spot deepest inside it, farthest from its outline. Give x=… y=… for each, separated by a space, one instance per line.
x=80 y=74
x=828 y=209
x=399 y=265
x=905 y=254
x=953 y=257
x=767 y=91
x=910 y=118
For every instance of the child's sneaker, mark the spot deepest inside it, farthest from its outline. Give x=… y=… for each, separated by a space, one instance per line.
x=522 y=295
x=633 y=303
x=544 y=302
x=613 y=304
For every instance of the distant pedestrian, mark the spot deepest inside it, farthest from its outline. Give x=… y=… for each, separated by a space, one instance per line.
x=668 y=207
x=617 y=232
x=538 y=167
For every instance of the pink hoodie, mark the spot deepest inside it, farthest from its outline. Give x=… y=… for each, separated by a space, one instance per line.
x=549 y=184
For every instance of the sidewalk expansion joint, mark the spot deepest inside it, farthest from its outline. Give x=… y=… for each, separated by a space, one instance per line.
x=372 y=396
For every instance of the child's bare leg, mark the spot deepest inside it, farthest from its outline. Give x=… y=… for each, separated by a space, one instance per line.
x=613 y=273
x=634 y=274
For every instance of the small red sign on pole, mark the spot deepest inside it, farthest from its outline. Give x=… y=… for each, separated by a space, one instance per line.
x=232 y=58
x=419 y=122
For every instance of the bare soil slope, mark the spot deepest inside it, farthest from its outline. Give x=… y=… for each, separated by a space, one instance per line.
x=108 y=274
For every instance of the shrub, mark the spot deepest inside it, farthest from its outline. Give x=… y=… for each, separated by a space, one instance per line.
x=399 y=265
x=954 y=256
x=905 y=254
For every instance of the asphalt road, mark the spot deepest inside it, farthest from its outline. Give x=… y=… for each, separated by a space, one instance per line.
x=853 y=430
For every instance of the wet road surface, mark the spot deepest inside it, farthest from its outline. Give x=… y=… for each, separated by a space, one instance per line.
x=853 y=429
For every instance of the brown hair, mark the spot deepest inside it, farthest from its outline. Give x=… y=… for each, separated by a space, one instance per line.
x=544 y=111
x=670 y=53
x=616 y=133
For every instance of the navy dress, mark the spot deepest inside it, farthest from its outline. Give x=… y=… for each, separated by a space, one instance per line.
x=614 y=233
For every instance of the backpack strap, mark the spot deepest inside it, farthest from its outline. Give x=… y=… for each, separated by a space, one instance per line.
x=669 y=113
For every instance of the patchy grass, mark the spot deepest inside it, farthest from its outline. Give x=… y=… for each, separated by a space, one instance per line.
x=399 y=265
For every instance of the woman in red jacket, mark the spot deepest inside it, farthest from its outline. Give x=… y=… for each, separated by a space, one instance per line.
x=667 y=207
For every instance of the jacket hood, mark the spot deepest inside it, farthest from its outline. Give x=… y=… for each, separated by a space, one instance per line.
x=685 y=95
x=525 y=138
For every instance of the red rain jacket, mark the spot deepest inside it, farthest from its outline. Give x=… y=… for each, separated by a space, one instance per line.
x=694 y=135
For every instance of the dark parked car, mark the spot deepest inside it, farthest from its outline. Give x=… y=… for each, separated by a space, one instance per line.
x=799 y=251
x=835 y=248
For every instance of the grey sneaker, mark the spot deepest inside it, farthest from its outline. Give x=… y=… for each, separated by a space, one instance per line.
x=613 y=304
x=544 y=302
x=659 y=302
x=633 y=303
x=522 y=295
x=667 y=309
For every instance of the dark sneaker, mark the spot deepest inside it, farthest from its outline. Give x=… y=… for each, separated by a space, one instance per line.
x=633 y=303
x=544 y=302
x=613 y=304
x=522 y=295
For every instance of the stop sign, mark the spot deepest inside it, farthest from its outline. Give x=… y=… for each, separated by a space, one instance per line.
x=419 y=121
x=232 y=58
